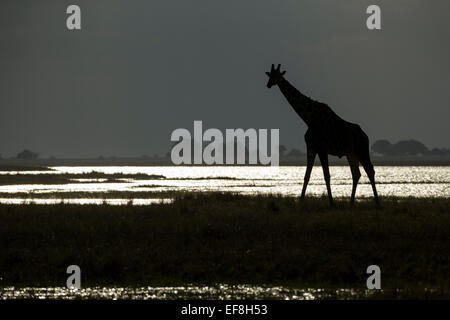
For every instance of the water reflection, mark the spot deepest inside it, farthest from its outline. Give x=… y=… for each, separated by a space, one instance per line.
x=392 y=181
x=86 y=201
x=219 y=292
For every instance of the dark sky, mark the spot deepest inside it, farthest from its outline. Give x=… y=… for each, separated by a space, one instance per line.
x=140 y=69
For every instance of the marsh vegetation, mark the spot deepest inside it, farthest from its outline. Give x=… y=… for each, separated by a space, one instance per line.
x=210 y=238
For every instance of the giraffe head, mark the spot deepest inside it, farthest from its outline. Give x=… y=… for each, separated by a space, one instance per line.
x=275 y=76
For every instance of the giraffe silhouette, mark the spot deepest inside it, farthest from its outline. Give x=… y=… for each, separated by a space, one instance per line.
x=327 y=134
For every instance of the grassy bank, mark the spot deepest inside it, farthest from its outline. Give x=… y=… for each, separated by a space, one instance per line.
x=212 y=238
x=64 y=178
x=20 y=168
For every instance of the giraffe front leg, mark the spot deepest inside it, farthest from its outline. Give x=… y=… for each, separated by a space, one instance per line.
x=356 y=174
x=310 y=158
x=326 y=173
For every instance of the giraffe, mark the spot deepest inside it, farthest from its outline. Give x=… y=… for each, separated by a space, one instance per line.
x=327 y=134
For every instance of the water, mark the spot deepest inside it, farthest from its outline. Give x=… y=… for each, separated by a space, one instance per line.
x=391 y=181
x=86 y=201
x=219 y=292
x=403 y=181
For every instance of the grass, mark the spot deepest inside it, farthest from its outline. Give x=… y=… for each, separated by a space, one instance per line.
x=64 y=178
x=111 y=194
x=227 y=238
x=16 y=167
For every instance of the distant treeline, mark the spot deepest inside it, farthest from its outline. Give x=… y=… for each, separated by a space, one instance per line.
x=380 y=147
x=406 y=148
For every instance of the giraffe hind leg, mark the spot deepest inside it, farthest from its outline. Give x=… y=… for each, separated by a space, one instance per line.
x=368 y=167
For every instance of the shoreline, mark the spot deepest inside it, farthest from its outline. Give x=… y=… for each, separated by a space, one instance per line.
x=41 y=164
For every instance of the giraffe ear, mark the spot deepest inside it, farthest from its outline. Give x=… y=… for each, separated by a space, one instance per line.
x=282 y=73
x=268 y=74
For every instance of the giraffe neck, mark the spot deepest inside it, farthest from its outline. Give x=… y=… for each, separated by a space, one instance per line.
x=301 y=104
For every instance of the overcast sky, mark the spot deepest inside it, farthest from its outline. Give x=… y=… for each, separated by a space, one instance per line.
x=140 y=69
